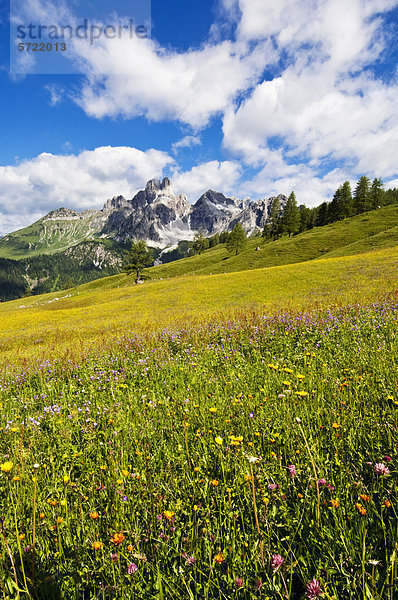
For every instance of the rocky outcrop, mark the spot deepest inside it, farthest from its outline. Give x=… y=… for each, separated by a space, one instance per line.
x=213 y=212
x=149 y=215
x=155 y=214
x=95 y=253
x=255 y=215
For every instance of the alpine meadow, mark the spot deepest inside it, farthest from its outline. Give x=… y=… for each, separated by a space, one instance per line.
x=199 y=300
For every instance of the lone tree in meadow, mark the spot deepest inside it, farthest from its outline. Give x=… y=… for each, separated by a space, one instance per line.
x=290 y=221
x=200 y=243
x=236 y=240
x=137 y=258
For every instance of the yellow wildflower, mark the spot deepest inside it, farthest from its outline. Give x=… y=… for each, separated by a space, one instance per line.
x=168 y=514
x=7 y=466
x=219 y=558
x=97 y=545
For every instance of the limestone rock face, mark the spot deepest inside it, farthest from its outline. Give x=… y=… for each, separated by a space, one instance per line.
x=149 y=215
x=155 y=214
x=255 y=215
x=213 y=212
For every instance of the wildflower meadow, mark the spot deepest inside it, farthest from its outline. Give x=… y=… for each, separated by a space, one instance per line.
x=250 y=458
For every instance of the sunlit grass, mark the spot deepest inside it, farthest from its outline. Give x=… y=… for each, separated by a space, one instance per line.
x=255 y=458
x=105 y=309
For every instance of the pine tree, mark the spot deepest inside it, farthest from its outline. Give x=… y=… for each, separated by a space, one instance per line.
x=200 y=243
x=322 y=216
x=137 y=258
x=305 y=218
x=341 y=206
x=377 y=193
x=290 y=221
x=362 y=199
x=236 y=240
x=347 y=205
x=272 y=227
x=334 y=209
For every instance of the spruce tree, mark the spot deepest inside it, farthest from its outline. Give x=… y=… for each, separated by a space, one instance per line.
x=362 y=198
x=200 y=243
x=305 y=218
x=346 y=204
x=236 y=240
x=334 y=210
x=291 y=216
x=137 y=258
x=377 y=193
x=272 y=227
x=322 y=215
x=341 y=206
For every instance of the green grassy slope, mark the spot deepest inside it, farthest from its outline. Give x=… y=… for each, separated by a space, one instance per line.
x=114 y=306
x=372 y=230
x=45 y=237
x=385 y=239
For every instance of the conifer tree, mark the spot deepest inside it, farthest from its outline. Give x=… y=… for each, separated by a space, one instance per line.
x=200 y=243
x=272 y=227
x=322 y=215
x=236 y=240
x=362 y=198
x=305 y=218
x=377 y=193
x=290 y=221
x=137 y=258
x=347 y=207
x=341 y=206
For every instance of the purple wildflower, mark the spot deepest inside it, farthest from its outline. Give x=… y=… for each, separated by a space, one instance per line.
x=276 y=562
x=313 y=589
x=322 y=481
x=190 y=560
x=292 y=470
x=381 y=469
x=114 y=557
x=239 y=582
x=274 y=486
x=131 y=568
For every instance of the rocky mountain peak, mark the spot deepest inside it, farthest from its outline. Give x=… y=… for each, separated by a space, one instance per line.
x=61 y=214
x=158 y=216
x=115 y=203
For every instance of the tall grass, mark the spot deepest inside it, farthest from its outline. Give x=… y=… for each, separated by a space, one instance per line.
x=252 y=458
x=102 y=310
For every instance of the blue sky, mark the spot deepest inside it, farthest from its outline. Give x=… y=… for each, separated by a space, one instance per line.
x=248 y=97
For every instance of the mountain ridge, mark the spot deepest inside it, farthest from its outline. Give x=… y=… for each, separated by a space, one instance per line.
x=155 y=214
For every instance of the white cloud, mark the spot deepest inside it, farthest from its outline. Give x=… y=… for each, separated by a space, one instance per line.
x=36 y=186
x=189 y=87
x=138 y=77
x=56 y=93
x=277 y=177
x=322 y=104
x=186 y=142
x=220 y=176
